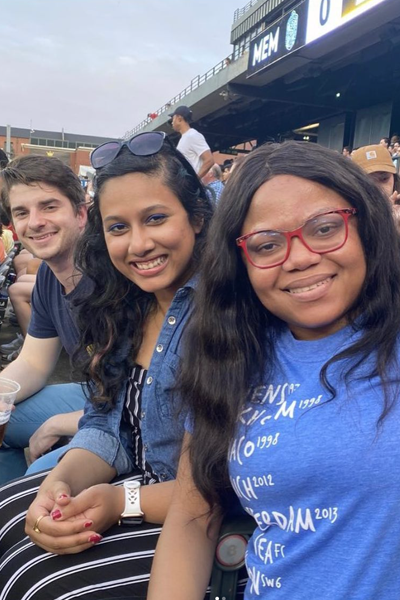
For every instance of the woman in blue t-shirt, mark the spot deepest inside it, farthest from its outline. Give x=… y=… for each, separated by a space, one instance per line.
x=291 y=374
x=141 y=248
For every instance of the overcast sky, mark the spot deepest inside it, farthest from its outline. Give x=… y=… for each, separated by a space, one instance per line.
x=99 y=66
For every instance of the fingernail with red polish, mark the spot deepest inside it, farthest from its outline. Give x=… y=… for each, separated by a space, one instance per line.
x=88 y=524
x=61 y=496
x=56 y=514
x=95 y=538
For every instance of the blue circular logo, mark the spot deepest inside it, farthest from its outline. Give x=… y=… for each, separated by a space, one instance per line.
x=291 y=30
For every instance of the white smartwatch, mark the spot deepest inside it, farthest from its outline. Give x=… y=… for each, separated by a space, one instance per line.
x=132 y=514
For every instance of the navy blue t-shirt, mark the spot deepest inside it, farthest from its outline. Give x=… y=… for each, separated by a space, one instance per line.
x=52 y=315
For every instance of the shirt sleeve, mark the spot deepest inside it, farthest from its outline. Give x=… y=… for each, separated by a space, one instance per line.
x=95 y=435
x=199 y=144
x=41 y=324
x=104 y=445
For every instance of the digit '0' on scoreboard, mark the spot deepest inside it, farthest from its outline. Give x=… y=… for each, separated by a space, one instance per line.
x=326 y=15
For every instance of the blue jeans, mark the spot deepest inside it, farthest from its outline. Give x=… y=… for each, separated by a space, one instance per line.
x=27 y=418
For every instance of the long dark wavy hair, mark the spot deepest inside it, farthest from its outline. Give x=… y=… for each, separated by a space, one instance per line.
x=111 y=318
x=230 y=341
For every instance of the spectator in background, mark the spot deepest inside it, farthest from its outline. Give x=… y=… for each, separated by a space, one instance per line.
x=226 y=169
x=396 y=155
x=89 y=192
x=377 y=162
x=5 y=221
x=7 y=238
x=3 y=253
x=347 y=151
x=212 y=180
x=20 y=294
x=192 y=144
x=3 y=160
x=385 y=142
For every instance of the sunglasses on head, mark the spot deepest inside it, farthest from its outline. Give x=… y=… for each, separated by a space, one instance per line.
x=141 y=144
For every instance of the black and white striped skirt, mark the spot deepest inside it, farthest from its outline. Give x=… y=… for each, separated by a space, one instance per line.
x=118 y=567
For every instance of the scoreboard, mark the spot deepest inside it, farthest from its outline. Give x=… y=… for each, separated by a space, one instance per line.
x=325 y=16
x=306 y=22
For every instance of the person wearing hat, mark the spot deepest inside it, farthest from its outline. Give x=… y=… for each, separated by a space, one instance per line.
x=226 y=170
x=377 y=162
x=192 y=144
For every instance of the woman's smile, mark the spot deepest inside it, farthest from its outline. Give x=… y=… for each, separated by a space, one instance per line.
x=302 y=289
x=150 y=264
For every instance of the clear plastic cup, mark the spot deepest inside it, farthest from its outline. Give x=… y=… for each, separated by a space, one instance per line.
x=8 y=393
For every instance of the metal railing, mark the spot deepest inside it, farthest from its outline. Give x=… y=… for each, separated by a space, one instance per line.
x=200 y=79
x=194 y=84
x=239 y=12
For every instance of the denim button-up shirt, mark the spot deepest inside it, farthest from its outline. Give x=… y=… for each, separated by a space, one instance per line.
x=105 y=433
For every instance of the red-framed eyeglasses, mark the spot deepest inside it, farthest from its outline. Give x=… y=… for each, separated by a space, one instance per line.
x=321 y=234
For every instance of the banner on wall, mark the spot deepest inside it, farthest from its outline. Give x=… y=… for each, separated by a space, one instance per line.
x=279 y=39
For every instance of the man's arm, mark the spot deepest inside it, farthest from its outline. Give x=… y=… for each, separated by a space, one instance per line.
x=34 y=365
x=207 y=161
x=48 y=434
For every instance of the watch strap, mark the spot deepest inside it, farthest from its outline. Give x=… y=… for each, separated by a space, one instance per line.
x=132 y=501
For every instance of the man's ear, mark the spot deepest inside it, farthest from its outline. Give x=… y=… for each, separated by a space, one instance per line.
x=81 y=215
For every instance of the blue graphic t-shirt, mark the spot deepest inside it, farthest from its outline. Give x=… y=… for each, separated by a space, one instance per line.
x=321 y=480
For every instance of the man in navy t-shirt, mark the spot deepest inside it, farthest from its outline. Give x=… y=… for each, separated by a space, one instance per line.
x=47 y=206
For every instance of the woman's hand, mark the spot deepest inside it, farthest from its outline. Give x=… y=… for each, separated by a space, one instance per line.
x=394 y=198
x=73 y=531
x=57 y=532
x=100 y=505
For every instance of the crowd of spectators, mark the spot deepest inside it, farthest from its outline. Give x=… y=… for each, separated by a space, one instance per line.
x=392 y=145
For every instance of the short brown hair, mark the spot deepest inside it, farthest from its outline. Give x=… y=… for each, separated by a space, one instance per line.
x=32 y=169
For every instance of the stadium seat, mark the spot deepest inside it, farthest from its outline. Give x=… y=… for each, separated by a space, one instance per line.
x=229 y=555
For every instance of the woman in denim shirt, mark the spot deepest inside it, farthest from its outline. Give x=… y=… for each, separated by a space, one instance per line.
x=145 y=234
